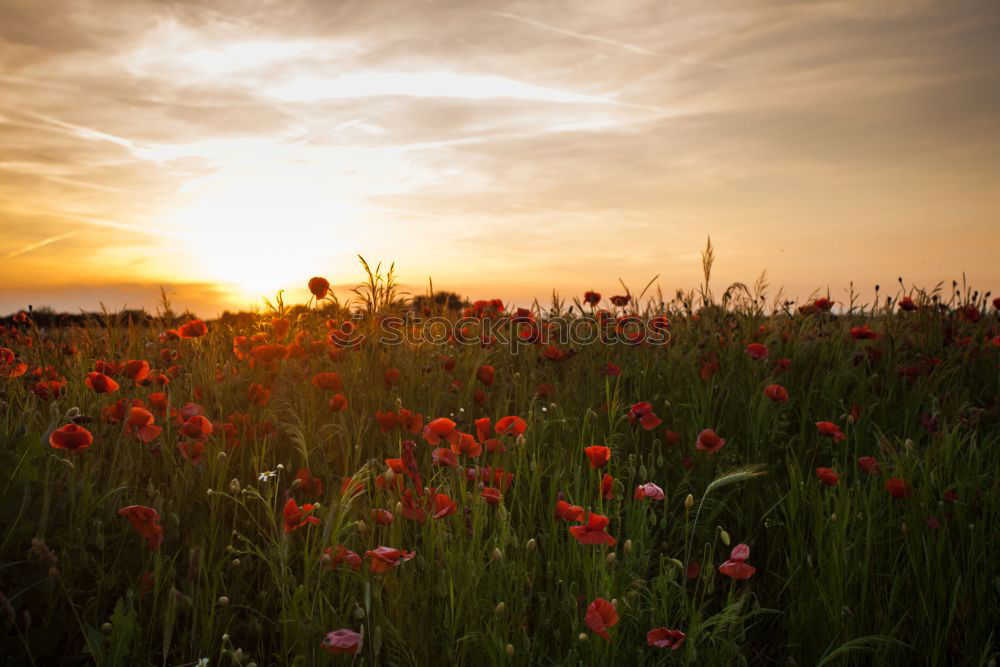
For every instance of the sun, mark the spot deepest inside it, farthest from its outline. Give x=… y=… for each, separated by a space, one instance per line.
x=260 y=229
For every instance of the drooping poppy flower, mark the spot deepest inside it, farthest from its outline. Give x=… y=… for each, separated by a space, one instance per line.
x=319 y=287
x=340 y=554
x=384 y=559
x=140 y=425
x=828 y=476
x=665 y=638
x=191 y=450
x=607 y=487
x=598 y=455
x=198 y=426
x=309 y=485
x=382 y=517
x=906 y=304
x=648 y=490
x=568 y=512
x=295 y=516
x=71 y=437
x=737 y=567
x=600 y=616
x=338 y=403
x=343 y=640
x=511 y=425
x=757 y=351
x=327 y=381
x=443 y=506
x=709 y=442
x=611 y=369
x=146 y=522
x=491 y=496
x=643 y=414
x=440 y=429
x=386 y=420
x=782 y=365
x=391 y=378
x=485 y=374
x=444 y=456
x=101 y=383
x=897 y=487
x=48 y=390
x=869 y=464
x=593 y=532
x=193 y=329
x=621 y=301
x=864 y=333
x=592 y=298
x=830 y=429
x=776 y=393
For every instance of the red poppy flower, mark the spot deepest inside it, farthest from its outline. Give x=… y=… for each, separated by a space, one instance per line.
x=309 y=485
x=295 y=516
x=382 y=517
x=443 y=506
x=665 y=638
x=327 y=381
x=511 y=425
x=709 y=442
x=621 y=301
x=600 y=616
x=101 y=383
x=192 y=450
x=830 y=429
x=338 y=403
x=827 y=476
x=441 y=429
x=71 y=437
x=391 y=377
x=776 y=393
x=593 y=531
x=757 y=351
x=599 y=455
x=607 y=487
x=198 y=426
x=863 y=333
x=611 y=369
x=906 y=303
x=319 y=287
x=146 y=522
x=491 y=496
x=443 y=456
x=343 y=640
x=897 y=487
x=48 y=390
x=8 y=365
x=140 y=424
x=737 y=567
x=386 y=420
x=869 y=464
x=592 y=298
x=341 y=554
x=467 y=445
x=485 y=374
x=648 y=490
x=384 y=559
x=268 y=353
x=568 y=512
x=193 y=329
x=643 y=413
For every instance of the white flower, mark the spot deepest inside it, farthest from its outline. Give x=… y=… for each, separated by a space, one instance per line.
x=266 y=475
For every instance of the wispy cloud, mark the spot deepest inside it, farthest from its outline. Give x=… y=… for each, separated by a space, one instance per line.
x=39 y=244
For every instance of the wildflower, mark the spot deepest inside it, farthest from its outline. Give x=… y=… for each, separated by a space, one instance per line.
x=827 y=476
x=600 y=616
x=443 y=456
x=295 y=516
x=101 y=383
x=869 y=464
x=266 y=475
x=491 y=496
x=709 y=442
x=467 y=445
x=340 y=554
x=776 y=393
x=643 y=413
x=621 y=301
x=665 y=638
x=391 y=377
x=757 y=351
x=511 y=425
x=319 y=287
x=897 y=487
x=598 y=455
x=568 y=512
x=737 y=567
x=385 y=558
x=830 y=429
x=71 y=437
x=191 y=451
x=140 y=425
x=327 y=381
x=382 y=517
x=607 y=487
x=198 y=426
x=311 y=486
x=593 y=531
x=443 y=506
x=193 y=329
x=146 y=522
x=906 y=304
x=648 y=490
x=592 y=298
x=864 y=333
x=343 y=640
x=485 y=374
x=440 y=429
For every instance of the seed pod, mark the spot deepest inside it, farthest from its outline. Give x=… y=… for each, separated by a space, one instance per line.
x=689 y=502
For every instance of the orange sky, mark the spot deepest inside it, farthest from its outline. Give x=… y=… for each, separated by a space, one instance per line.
x=231 y=149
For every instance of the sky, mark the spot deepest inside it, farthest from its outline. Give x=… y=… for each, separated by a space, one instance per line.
x=229 y=149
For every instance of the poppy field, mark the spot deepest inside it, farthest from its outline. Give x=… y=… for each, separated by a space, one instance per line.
x=622 y=478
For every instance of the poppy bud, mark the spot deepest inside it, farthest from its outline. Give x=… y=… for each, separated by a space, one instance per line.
x=724 y=536
x=221 y=456
x=628 y=546
x=234 y=486
x=223 y=601
x=510 y=653
x=362 y=526
x=389 y=475
x=497 y=554
x=530 y=546
x=582 y=636
x=225 y=638
x=280 y=467
x=689 y=502
x=501 y=608
x=399 y=508
x=520 y=440
x=236 y=562
x=833 y=517
x=296 y=483
x=676 y=563
x=610 y=558
x=903 y=528
x=238 y=657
